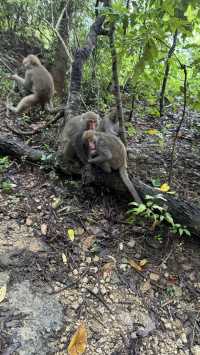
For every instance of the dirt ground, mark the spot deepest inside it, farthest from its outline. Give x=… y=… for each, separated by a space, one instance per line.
x=54 y=283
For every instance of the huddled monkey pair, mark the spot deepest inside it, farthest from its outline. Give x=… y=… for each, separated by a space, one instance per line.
x=86 y=137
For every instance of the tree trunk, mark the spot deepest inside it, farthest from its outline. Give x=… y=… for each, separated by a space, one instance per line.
x=80 y=57
x=166 y=74
x=116 y=85
x=61 y=62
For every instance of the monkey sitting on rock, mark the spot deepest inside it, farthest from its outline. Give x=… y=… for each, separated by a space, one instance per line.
x=38 y=81
x=107 y=151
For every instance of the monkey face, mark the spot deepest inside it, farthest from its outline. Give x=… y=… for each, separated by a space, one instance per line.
x=92 y=124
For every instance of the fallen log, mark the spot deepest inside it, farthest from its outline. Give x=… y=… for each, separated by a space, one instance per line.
x=182 y=211
x=18 y=149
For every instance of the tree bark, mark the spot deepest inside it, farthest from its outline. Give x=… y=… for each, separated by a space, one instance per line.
x=80 y=57
x=166 y=74
x=61 y=62
x=116 y=85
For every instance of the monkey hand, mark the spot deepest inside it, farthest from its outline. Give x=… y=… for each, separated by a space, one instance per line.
x=13 y=77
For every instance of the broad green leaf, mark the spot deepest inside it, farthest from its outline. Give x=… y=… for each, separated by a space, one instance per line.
x=169 y=218
x=191 y=13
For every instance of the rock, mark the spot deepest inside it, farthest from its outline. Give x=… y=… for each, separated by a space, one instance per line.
x=178 y=291
x=44 y=228
x=123 y=267
x=29 y=221
x=95 y=290
x=131 y=243
x=154 y=277
x=103 y=290
x=88 y=260
x=195 y=350
x=145 y=286
x=96 y=258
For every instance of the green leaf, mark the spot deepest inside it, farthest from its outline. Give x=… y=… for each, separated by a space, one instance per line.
x=191 y=13
x=169 y=218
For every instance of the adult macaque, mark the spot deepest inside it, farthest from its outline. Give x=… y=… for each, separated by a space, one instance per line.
x=110 y=123
x=73 y=132
x=38 y=81
x=108 y=152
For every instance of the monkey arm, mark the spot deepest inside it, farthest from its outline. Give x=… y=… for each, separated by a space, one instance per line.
x=20 y=81
x=103 y=156
x=27 y=82
x=79 y=147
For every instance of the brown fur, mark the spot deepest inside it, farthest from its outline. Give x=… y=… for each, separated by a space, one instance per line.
x=37 y=80
x=73 y=133
x=110 y=123
x=110 y=153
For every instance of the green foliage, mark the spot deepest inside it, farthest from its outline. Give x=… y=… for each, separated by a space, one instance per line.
x=4 y=163
x=156 y=213
x=142 y=49
x=7 y=186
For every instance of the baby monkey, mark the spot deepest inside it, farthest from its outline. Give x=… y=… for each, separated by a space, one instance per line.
x=38 y=81
x=108 y=152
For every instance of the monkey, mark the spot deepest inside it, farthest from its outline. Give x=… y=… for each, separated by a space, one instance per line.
x=110 y=123
x=107 y=151
x=73 y=132
x=38 y=81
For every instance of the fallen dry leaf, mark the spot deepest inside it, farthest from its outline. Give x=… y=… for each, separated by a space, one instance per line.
x=135 y=265
x=152 y=131
x=78 y=343
x=70 y=234
x=64 y=258
x=3 y=290
x=79 y=231
x=143 y=262
x=87 y=243
x=44 y=228
x=164 y=187
x=107 y=268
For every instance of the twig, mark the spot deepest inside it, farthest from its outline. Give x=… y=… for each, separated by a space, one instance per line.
x=179 y=126
x=166 y=74
x=7 y=66
x=193 y=330
x=61 y=40
x=100 y=299
x=61 y=16
x=37 y=130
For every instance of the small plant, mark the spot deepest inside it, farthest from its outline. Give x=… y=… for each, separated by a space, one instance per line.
x=158 y=214
x=4 y=163
x=7 y=186
x=25 y=119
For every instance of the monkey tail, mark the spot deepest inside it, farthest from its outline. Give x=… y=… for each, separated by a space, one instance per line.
x=129 y=184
